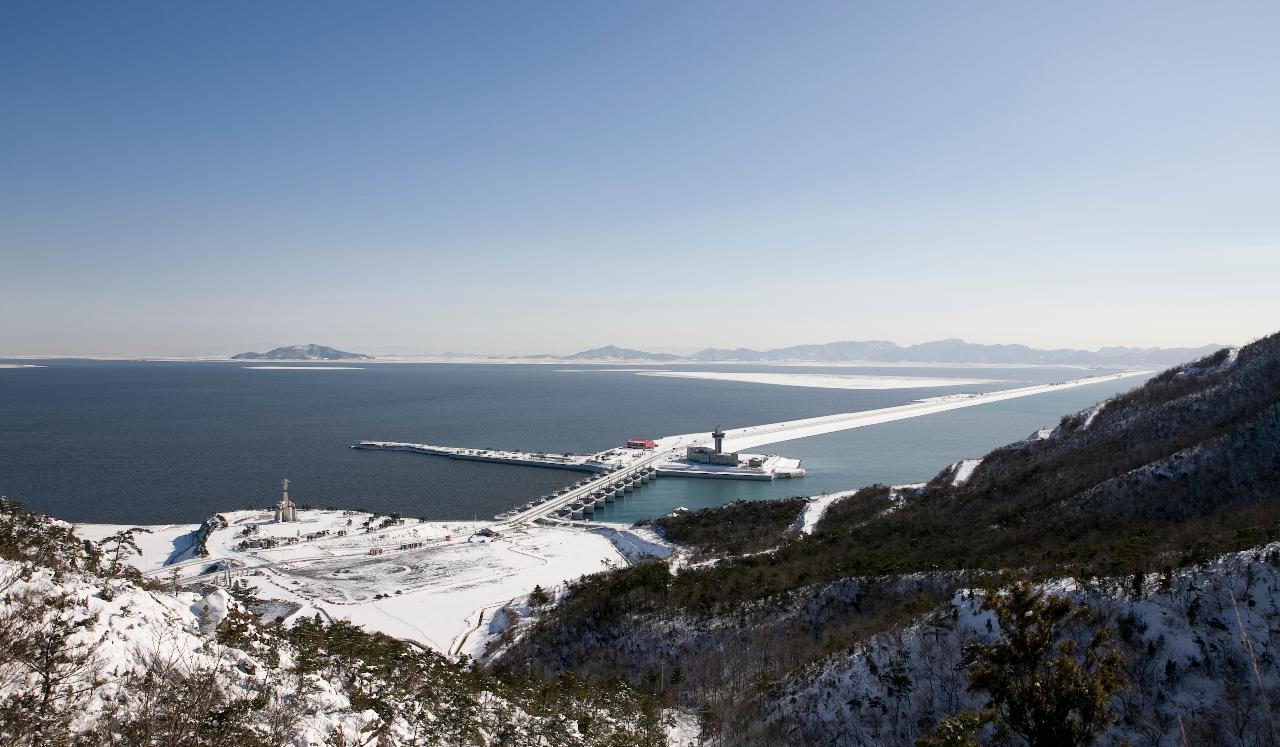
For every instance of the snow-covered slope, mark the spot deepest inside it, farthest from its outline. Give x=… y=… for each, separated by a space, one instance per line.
x=150 y=662
x=1187 y=662
x=815 y=509
x=119 y=636
x=302 y=353
x=850 y=628
x=94 y=653
x=424 y=581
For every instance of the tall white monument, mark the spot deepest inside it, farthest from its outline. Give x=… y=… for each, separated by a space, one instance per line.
x=284 y=509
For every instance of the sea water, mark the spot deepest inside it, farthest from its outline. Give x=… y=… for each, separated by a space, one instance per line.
x=151 y=442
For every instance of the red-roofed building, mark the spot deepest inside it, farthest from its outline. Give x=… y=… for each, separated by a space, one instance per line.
x=642 y=443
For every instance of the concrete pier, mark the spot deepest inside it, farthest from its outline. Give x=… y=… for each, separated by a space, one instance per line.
x=639 y=463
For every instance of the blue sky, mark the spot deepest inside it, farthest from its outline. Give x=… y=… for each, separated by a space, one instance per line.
x=190 y=178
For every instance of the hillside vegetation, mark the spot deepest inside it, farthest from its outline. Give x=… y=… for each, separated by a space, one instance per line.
x=1179 y=470
x=1118 y=504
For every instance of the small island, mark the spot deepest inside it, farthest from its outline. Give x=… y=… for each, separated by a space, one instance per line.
x=302 y=353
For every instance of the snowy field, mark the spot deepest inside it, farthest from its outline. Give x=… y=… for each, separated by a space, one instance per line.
x=443 y=589
x=824 y=381
x=165 y=543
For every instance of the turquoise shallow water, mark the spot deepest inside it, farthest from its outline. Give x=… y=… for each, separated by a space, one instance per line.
x=157 y=442
x=903 y=451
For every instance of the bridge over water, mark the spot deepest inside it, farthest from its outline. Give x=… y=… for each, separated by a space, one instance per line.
x=620 y=471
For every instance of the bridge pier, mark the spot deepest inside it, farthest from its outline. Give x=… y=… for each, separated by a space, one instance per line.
x=588 y=495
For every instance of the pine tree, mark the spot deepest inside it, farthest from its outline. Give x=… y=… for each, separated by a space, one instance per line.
x=960 y=730
x=1042 y=686
x=121 y=546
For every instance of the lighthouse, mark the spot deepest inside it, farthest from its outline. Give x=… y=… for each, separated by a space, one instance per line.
x=284 y=509
x=718 y=435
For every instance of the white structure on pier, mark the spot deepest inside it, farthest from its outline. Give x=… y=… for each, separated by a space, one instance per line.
x=707 y=455
x=285 y=510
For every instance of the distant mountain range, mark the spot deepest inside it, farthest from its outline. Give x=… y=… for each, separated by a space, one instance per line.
x=302 y=353
x=938 y=351
x=877 y=351
x=615 y=353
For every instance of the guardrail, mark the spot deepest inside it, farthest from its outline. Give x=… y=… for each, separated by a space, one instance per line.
x=604 y=481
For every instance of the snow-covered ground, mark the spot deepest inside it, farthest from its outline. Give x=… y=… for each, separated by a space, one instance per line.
x=1190 y=639
x=816 y=508
x=1093 y=414
x=636 y=543
x=434 y=591
x=949 y=397
x=534 y=459
x=303 y=368
x=604 y=461
x=132 y=628
x=138 y=657
x=818 y=505
x=682 y=728
x=771 y=466
x=823 y=381
x=161 y=545
x=738 y=439
x=963 y=470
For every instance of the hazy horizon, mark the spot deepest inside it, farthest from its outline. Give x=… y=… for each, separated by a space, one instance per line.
x=186 y=179
x=406 y=351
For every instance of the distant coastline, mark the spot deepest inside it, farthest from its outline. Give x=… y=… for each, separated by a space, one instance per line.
x=595 y=365
x=951 y=352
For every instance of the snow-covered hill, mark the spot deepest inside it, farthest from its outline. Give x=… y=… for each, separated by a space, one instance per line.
x=302 y=353
x=845 y=620
x=1190 y=669
x=92 y=654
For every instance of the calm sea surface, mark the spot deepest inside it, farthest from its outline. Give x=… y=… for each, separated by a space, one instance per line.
x=159 y=442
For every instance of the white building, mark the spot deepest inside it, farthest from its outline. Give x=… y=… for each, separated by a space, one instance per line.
x=285 y=510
